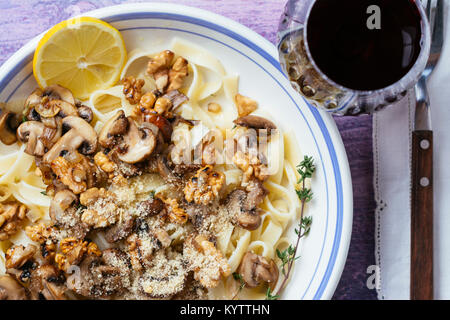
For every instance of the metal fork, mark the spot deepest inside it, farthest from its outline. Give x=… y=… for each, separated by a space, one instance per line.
x=421 y=286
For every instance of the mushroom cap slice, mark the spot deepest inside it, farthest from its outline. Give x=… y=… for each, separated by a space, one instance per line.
x=246 y=217
x=255 y=122
x=256 y=269
x=249 y=220
x=66 y=108
x=80 y=136
x=37 y=137
x=57 y=92
x=34 y=98
x=7 y=133
x=10 y=289
x=46 y=281
x=59 y=101
x=138 y=144
x=115 y=126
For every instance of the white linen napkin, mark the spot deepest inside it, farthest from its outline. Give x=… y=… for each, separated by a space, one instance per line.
x=391 y=143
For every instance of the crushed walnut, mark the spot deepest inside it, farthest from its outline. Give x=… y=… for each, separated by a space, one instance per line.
x=162 y=106
x=167 y=77
x=214 y=107
x=132 y=89
x=39 y=233
x=174 y=212
x=101 y=210
x=43 y=235
x=177 y=74
x=11 y=217
x=73 y=175
x=204 y=186
x=73 y=252
x=104 y=163
x=251 y=165
x=245 y=105
x=206 y=261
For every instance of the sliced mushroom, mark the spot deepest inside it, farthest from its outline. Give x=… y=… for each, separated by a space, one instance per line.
x=48 y=109
x=62 y=201
x=80 y=136
x=255 y=122
x=163 y=124
x=97 y=280
x=256 y=194
x=114 y=127
x=18 y=255
x=53 y=100
x=10 y=289
x=48 y=283
x=176 y=97
x=8 y=126
x=34 y=98
x=85 y=113
x=150 y=207
x=137 y=145
x=116 y=258
x=66 y=108
x=64 y=212
x=57 y=92
x=120 y=230
x=197 y=214
x=37 y=137
x=245 y=216
x=166 y=173
x=255 y=269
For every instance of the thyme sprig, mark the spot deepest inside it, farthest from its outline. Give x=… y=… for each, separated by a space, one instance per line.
x=305 y=169
x=270 y=295
x=238 y=277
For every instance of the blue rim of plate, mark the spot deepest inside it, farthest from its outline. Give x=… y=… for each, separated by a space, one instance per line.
x=269 y=58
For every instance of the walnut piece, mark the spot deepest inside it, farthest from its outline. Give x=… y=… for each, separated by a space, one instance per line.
x=214 y=107
x=168 y=77
x=204 y=186
x=73 y=252
x=39 y=233
x=251 y=165
x=161 y=61
x=174 y=212
x=104 y=163
x=101 y=210
x=11 y=217
x=207 y=262
x=162 y=106
x=43 y=235
x=132 y=89
x=92 y=195
x=73 y=175
x=245 y=105
x=177 y=74
x=147 y=102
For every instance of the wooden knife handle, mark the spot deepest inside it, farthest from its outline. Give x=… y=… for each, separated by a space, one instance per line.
x=422 y=216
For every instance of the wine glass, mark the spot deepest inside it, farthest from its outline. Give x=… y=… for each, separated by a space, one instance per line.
x=317 y=87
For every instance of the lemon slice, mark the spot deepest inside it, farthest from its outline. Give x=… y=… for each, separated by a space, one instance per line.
x=82 y=54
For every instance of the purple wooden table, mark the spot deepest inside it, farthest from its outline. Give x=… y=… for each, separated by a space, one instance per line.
x=21 y=20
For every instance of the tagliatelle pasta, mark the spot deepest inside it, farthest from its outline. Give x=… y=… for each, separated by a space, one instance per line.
x=277 y=206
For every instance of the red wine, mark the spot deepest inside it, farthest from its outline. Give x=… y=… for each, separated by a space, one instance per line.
x=357 y=51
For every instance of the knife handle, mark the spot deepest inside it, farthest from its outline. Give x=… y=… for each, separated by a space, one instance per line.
x=422 y=216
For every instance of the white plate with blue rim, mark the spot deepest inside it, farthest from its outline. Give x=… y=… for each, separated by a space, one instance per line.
x=242 y=51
